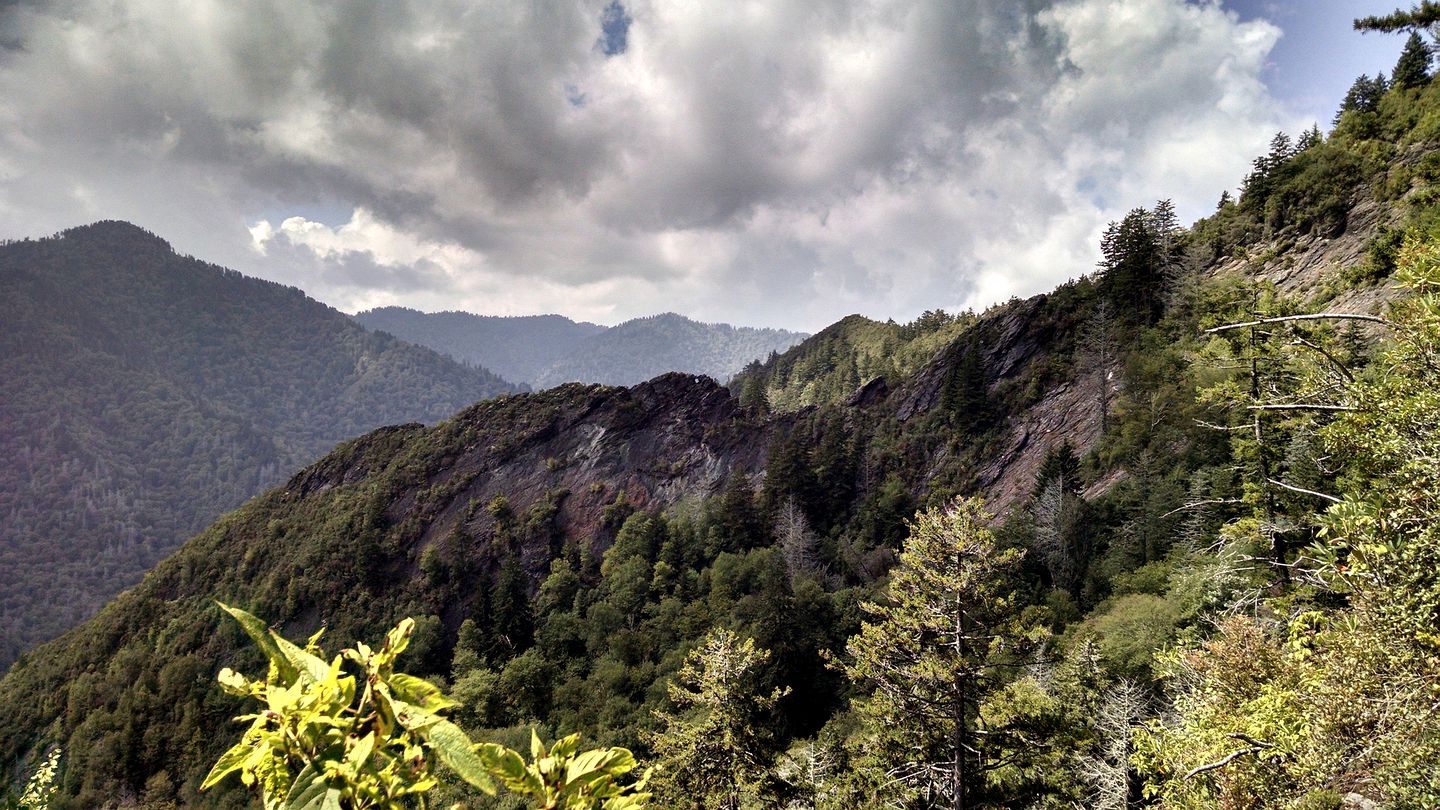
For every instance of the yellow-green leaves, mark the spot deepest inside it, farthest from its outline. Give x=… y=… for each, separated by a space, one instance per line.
x=318 y=745
x=561 y=777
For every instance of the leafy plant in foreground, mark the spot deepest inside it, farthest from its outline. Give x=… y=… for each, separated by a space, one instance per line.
x=326 y=740
x=39 y=789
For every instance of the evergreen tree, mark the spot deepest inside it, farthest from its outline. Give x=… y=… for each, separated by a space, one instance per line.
x=737 y=525
x=1309 y=138
x=1413 y=68
x=711 y=750
x=1133 y=267
x=947 y=638
x=513 y=622
x=1060 y=464
x=752 y=392
x=1363 y=96
x=1424 y=16
x=965 y=393
x=1261 y=181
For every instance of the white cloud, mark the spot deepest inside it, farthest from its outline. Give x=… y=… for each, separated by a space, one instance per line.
x=781 y=162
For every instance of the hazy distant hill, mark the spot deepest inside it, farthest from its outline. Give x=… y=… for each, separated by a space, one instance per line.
x=547 y=350
x=142 y=393
x=518 y=348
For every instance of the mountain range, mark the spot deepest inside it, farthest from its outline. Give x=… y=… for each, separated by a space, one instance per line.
x=145 y=393
x=543 y=351
x=1161 y=443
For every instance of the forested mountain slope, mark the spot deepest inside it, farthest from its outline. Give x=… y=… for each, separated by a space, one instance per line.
x=1229 y=554
x=145 y=393
x=548 y=350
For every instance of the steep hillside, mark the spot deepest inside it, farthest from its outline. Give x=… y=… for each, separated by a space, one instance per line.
x=831 y=365
x=436 y=521
x=519 y=348
x=145 y=393
x=547 y=350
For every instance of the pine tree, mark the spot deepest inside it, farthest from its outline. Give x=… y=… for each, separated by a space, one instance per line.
x=1132 y=267
x=965 y=393
x=1424 y=16
x=711 y=749
x=513 y=622
x=948 y=636
x=1413 y=68
x=1261 y=181
x=1363 y=96
x=753 y=397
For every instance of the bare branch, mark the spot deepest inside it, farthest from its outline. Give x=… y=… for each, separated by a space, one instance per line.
x=1334 y=361
x=1254 y=749
x=1198 y=504
x=1303 y=491
x=1300 y=406
x=1318 y=316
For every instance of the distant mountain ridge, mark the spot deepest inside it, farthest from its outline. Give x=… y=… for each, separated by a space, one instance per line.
x=518 y=348
x=142 y=393
x=543 y=351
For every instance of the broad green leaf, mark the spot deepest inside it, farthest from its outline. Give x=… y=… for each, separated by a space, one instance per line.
x=260 y=634
x=229 y=762
x=456 y=751
x=509 y=766
x=419 y=692
x=360 y=752
x=411 y=717
x=308 y=791
x=399 y=638
x=600 y=762
x=303 y=662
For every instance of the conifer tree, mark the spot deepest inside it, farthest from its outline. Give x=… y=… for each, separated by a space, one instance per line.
x=1413 y=68
x=1363 y=96
x=1132 y=267
x=1309 y=138
x=965 y=393
x=711 y=749
x=1424 y=16
x=947 y=637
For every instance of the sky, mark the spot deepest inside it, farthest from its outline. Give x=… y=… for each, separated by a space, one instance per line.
x=761 y=162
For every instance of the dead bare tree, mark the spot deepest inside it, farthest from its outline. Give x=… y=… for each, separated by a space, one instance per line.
x=799 y=545
x=1098 y=349
x=1107 y=771
x=1055 y=513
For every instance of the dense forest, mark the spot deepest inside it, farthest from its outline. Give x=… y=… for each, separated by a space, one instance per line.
x=543 y=351
x=146 y=392
x=1205 y=576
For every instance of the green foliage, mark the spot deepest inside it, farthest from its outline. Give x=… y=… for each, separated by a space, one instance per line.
x=1424 y=15
x=830 y=366
x=1335 y=683
x=1413 y=68
x=565 y=777
x=945 y=719
x=712 y=753
x=327 y=738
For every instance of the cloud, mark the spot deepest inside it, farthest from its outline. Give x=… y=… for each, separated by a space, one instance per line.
x=778 y=162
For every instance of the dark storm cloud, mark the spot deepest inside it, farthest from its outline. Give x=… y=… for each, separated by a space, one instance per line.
x=779 y=161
